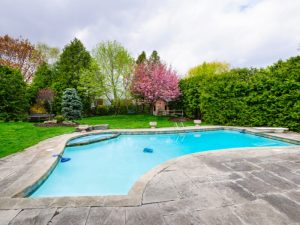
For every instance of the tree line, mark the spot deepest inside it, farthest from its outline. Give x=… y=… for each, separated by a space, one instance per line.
x=39 y=78
x=106 y=73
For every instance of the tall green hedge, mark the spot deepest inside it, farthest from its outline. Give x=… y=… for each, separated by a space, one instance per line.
x=247 y=97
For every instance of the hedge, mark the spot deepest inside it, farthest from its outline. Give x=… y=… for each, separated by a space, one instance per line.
x=247 y=97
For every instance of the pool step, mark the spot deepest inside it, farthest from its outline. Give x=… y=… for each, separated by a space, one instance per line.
x=92 y=140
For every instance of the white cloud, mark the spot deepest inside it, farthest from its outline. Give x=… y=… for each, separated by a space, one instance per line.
x=185 y=33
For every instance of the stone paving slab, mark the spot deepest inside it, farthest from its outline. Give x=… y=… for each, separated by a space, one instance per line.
x=106 y=216
x=33 y=216
x=234 y=186
x=7 y=215
x=74 y=216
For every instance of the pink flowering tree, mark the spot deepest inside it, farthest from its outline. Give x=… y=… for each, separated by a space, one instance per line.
x=154 y=81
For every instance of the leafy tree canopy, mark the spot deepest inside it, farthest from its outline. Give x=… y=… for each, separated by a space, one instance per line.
x=13 y=100
x=20 y=54
x=209 y=68
x=116 y=66
x=49 y=54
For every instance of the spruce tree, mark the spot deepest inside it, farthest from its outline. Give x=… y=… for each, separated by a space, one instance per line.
x=71 y=104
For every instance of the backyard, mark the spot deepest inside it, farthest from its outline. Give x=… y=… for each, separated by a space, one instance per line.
x=147 y=112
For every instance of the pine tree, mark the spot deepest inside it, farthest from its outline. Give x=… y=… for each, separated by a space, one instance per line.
x=141 y=58
x=71 y=104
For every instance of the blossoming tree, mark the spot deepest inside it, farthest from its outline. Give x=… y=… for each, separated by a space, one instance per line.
x=155 y=81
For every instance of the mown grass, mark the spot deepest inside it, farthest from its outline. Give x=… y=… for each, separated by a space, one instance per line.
x=130 y=121
x=16 y=136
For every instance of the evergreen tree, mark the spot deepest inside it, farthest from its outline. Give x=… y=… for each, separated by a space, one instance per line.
x=43 y=78
x=71 y=104
x=141 y=58
x=13 y=100
x=73 y=59
x=154 y=58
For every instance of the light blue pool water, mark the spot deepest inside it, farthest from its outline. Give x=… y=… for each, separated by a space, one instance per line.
x=89 y=138
x=112 y=167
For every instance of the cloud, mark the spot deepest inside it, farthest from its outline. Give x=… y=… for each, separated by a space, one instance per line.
x=185 y=33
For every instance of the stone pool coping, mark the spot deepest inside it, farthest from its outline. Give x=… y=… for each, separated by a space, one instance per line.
x=99 y=139
x=12 y=197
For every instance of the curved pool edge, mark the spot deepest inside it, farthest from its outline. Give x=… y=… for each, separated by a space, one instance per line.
x=135 y=194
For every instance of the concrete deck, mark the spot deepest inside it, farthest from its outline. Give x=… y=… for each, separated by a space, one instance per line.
x=236 y=186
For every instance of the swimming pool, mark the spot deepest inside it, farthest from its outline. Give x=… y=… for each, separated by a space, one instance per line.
x=111 y=167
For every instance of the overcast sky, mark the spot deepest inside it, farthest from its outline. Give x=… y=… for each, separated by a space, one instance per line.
x=252 y=33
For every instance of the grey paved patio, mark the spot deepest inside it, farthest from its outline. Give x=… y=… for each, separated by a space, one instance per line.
x=239 y=186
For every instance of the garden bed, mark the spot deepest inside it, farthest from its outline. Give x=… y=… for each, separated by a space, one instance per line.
x=56 y=125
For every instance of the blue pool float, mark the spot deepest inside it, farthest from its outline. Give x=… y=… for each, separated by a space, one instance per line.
x=148 y=150
x=62 y=159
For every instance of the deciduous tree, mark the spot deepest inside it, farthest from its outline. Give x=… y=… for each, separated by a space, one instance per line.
x=19 y=53
x=46 y=96
x=210 y=68
x=49 y=54
x=116 y=66
x=91 y=83
x=154 y=81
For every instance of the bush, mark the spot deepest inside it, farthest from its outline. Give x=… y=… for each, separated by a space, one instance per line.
x=71 y=104
x=37 y=108
x=13 y=99
x=59 y=118
x=247 y=97
x=103 y=110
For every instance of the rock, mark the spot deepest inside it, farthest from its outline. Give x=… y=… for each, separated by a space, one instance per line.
x=68 y=123
x=50 y=122
x=101 y=127
x=81 y=128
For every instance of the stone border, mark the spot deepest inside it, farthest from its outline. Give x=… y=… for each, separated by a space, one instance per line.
x=134 y=197
x=29 y=190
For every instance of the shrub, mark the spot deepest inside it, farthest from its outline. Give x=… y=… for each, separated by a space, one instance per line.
x=59 y=118
x=13 y=100
x=103 y=110
x=37 y=108
x=247 y=97
x=71 y=104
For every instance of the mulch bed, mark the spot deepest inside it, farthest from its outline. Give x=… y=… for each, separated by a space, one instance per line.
x=55 y=125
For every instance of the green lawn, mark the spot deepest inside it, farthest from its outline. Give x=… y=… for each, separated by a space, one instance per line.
x=130 y=121
x=16 y=136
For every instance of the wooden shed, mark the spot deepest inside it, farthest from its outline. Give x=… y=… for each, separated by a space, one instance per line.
x=160 y=108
